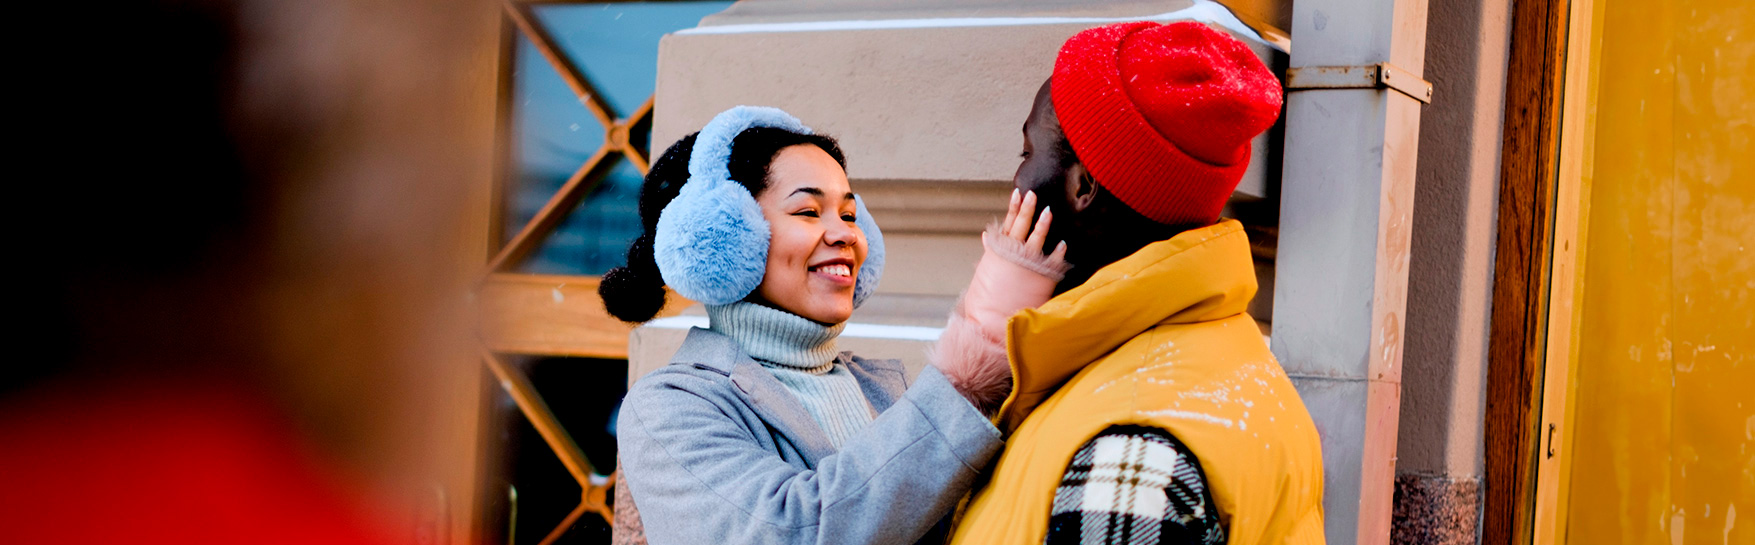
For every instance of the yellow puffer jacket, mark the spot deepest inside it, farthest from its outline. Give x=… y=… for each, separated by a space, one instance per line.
x=1161 y=339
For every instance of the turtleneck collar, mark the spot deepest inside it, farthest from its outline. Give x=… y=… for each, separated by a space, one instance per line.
x=776 y=337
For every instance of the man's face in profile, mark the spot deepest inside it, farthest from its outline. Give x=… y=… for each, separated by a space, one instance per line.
x=1044 y=165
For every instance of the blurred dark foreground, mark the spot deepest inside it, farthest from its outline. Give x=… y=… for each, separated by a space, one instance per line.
x=248 y=231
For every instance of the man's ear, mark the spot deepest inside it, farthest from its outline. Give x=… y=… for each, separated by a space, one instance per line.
x=1081 y=188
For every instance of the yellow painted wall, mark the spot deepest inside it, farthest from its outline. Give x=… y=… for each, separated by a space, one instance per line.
x=1664 y=443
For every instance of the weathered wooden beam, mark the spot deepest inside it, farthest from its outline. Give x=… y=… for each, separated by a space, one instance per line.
x=553 y=315
x=1535 y=77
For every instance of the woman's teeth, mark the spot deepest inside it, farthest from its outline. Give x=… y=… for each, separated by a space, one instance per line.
x=837 y=270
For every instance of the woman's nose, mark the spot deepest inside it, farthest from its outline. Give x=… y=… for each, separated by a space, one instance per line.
x=841 y=233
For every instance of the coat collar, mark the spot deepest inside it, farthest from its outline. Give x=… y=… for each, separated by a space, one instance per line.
x=1200 y=275
x=777 y=406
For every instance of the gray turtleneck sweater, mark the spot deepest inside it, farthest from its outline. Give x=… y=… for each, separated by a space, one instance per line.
x=801 y=354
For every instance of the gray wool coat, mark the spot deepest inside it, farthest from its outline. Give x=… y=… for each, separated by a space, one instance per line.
x=715 y=450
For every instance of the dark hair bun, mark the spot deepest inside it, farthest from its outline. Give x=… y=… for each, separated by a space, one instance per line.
x=634 y=293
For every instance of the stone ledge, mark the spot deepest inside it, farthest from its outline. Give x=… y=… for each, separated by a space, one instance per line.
x=932 y=103
x=906 y=206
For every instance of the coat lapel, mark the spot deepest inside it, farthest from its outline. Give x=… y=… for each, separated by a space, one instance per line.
x=758 y=388
x=882 y=381
x=781 y=410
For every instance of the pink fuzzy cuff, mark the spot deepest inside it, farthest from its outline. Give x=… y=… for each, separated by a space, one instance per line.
x=974 y=362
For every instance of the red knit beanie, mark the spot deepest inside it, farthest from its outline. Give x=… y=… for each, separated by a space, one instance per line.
x=1162 y=115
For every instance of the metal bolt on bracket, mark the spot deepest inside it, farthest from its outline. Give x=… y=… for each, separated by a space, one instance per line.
x=1382 y=75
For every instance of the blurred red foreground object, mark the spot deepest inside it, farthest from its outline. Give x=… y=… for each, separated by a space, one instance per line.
x=163 y=464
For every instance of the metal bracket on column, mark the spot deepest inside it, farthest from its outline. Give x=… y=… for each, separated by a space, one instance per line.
x=1382 y=75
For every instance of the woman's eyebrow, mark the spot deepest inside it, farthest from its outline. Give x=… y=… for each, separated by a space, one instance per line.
x=817 y=192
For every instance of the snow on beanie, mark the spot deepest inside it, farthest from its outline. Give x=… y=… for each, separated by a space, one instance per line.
x=1162 y=115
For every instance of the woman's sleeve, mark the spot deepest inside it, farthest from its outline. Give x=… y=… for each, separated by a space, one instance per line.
x=699 y=477
x=1134 y=484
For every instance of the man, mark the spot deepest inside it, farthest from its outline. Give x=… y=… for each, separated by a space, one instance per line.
x=1147 y=407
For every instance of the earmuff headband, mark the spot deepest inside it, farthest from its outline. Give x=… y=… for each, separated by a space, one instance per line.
x=712 y=241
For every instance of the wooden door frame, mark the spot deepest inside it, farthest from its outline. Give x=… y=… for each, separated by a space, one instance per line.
x=1543 y=194
x=1534 y=79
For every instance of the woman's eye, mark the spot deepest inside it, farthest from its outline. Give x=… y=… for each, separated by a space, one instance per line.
x=1025 y=155
x=848 y=217
x=806 y=213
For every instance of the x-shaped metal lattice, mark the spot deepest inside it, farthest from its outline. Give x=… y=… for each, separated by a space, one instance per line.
x=589 y=174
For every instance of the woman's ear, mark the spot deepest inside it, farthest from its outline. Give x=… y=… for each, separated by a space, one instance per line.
x=1081 y=189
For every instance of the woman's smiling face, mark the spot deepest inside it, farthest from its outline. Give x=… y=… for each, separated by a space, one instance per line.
x=814 y=248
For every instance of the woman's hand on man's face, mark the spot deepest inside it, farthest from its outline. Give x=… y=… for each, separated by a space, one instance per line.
x=1013 y=274
x=1017 y=224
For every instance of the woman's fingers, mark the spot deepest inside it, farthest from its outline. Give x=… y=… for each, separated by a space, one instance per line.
x=1020 y=226
x=1011 y=212
x=1040 y=234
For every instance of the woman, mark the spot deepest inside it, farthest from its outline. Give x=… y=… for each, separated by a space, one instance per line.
x=760 y=431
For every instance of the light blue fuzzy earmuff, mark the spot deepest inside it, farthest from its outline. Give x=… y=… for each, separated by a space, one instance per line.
x=712 y=242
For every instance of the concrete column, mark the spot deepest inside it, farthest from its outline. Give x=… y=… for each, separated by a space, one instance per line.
x=1346 y=211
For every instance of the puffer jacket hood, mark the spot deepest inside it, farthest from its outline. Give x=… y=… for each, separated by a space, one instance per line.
x=1049 y=344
